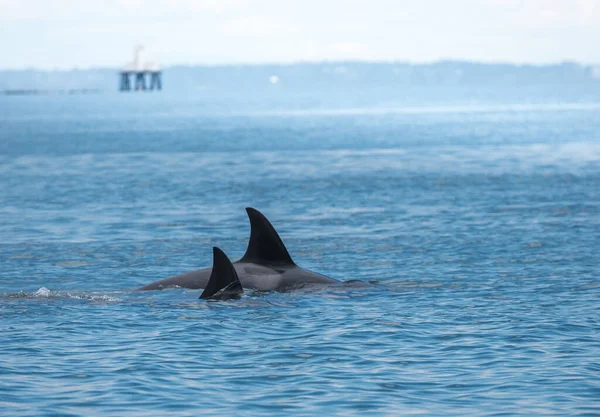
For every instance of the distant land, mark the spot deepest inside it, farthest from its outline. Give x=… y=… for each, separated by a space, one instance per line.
x=321 y=76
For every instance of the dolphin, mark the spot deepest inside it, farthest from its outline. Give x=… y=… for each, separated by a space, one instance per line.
x=266 y=265
x=223 y=283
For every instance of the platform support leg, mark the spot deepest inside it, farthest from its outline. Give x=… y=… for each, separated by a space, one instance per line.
x=155 y=81
x=125 y=86
x=140 y=81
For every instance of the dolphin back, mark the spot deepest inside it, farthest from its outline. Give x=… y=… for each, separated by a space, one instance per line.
x=266 y=266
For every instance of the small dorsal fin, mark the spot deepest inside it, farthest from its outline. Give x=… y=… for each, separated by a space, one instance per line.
x=223 y=283
x=265 y=246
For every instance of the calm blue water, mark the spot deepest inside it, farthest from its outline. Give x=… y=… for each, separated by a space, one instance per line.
x=479 y=223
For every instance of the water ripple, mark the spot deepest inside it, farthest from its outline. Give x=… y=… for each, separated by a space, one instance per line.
x=467 y=236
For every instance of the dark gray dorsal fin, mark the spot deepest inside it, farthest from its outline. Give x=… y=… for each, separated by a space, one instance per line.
x=223 y=283
x=265 y=246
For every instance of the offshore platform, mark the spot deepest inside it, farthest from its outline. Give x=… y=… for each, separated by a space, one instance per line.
x=133 y=75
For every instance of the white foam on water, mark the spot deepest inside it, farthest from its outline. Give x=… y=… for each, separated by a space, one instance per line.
x=44 y=292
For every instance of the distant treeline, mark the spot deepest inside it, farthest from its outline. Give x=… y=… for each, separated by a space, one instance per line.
x=310 y=76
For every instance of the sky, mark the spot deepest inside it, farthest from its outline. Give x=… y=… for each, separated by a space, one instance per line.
x=66 y=34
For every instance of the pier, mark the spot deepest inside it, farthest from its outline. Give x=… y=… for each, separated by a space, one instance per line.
x=134 y=75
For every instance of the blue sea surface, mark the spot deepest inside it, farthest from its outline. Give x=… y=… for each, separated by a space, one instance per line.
x=475 y=223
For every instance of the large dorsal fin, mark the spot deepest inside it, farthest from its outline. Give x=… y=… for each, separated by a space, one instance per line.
x=223 y=283
x=265 y=246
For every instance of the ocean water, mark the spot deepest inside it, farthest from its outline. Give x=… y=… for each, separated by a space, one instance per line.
x=475 y=223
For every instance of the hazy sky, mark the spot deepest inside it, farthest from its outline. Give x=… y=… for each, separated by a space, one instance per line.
x=80 y=33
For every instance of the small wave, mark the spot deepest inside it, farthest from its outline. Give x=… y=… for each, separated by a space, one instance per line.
x=72 y=264
x=450 y=109
x=44 y=292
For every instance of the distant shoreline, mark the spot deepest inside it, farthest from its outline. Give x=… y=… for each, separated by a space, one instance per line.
x=317 y=63
x=394 y=77
x=37 y=92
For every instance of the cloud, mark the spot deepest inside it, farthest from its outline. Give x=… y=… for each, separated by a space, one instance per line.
x=544 y=14
x=255 y=26
x=214 y=6
x=75 y=10
x=131 y=4
x=345 y=48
